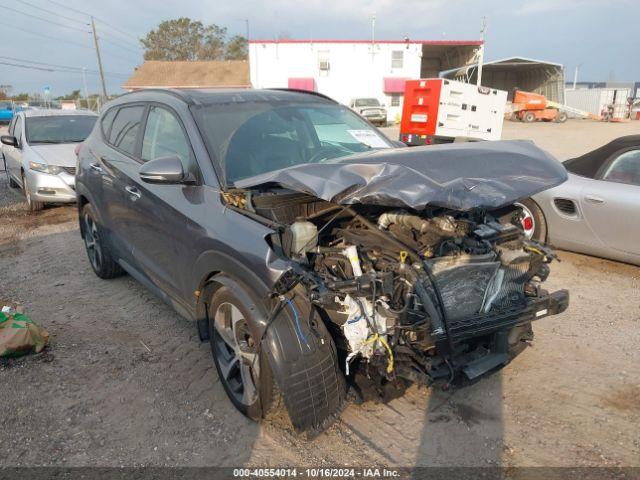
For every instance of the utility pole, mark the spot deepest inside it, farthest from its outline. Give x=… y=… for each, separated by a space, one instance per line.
x=246 y=21
x=373 y=35
x=575 y=75
x=95 y=42
x=84 y=84
x=483 y=27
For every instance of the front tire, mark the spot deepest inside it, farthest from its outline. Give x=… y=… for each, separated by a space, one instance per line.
x=534 y=222
x=34 y=205
x=529 y=117
x=562 y=117
x=243 y=368
x=100 y=258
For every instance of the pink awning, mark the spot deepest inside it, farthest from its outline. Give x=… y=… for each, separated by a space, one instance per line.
x=394 y=84
x=303 y=83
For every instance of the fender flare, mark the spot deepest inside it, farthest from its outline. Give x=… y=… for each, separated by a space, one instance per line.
x=299 y=348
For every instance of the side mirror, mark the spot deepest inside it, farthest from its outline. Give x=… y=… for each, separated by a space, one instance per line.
x=9 y=140
x=163 y=170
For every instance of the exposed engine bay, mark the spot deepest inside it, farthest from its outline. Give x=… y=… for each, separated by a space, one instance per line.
x=409 y=296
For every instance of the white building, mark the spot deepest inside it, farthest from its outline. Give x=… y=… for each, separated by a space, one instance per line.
x=348 y=69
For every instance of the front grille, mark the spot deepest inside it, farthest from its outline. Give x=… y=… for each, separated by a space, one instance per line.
x=565 y=205
x=70 y=170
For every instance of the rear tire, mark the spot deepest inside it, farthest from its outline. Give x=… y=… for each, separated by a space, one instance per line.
x=100 y=258
x=539 y=233
x=243 y=368
x=529 y=117
x=34 y=205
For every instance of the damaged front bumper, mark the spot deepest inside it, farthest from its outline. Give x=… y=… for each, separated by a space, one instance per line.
x=478 y=325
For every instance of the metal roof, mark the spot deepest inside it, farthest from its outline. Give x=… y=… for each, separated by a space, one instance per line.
x=405 y=41
x=505 y=62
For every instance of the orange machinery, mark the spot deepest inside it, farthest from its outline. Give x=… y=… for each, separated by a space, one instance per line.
x=530 y=107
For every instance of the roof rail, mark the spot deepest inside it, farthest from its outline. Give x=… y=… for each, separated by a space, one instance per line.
x=308 y=92
x=176 y=93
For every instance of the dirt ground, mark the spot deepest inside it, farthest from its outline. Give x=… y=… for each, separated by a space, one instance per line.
x=125 y=381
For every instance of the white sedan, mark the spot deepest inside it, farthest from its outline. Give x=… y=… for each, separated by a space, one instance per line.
x=39 y=153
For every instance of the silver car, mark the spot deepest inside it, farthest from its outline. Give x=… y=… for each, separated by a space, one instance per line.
x=597 y=210
x=39 y=153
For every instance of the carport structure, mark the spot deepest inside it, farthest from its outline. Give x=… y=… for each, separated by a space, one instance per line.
x=546 y=78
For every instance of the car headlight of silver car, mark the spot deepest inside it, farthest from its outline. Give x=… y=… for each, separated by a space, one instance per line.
x=44 y=168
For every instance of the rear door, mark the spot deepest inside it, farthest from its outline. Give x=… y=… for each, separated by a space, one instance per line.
x=115 y=162
x=611 y=202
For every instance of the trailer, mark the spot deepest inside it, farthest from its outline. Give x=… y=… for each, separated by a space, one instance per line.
x=438 y=110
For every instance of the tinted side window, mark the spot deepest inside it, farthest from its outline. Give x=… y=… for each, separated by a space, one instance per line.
x=163 y=136
x=624 y=169
x=124 y=129
x=107 y=120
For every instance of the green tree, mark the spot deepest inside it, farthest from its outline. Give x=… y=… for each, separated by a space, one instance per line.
x=186 y=39
x=21 y=97
x=237 y=48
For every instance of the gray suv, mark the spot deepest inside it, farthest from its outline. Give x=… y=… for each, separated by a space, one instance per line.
x=311 y=252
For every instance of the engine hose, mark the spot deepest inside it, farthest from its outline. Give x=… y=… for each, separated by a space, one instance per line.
x=442 y=318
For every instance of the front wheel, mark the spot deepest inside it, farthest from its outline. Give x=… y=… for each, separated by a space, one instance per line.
x=33 y=205
x=529 y=117
x=533 y=222
x=562 y=117
x=242 y=366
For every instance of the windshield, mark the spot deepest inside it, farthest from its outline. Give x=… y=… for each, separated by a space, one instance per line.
x=367 y=102
x=251 y=138
x=59 y=129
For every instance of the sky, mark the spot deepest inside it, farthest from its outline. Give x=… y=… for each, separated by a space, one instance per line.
x=601 y=37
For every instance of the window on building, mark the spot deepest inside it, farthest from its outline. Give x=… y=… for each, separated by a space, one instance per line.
x=397 y=57
x=395 y=99
x=323 y=62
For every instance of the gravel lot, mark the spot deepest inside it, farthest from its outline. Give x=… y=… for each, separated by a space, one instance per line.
x=125 y=381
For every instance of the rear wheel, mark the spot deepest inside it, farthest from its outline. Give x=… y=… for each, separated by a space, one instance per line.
x=533 y=222
x=243 y=368
x=33 y=205
x=102 y=263
x=529 y=117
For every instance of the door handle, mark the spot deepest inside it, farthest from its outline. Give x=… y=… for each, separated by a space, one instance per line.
x=593 y=199
x=134 y=192
x=95 y=167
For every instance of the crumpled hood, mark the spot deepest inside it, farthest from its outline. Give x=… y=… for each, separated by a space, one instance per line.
x=62 y=155
x=458 y=176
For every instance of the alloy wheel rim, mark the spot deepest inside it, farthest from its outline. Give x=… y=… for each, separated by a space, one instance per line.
x=528 y=222
x=236 y=353
x=92 y=243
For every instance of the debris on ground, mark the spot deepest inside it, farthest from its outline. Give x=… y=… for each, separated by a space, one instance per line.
x=19 y=335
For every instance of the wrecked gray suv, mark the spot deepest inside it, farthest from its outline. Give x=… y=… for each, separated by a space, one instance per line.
x=313 y=254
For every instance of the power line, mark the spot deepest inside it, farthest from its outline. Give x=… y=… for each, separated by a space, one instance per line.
x=83 y=22
x=44 y=19
x=119 y=45
x=49 y=69
x=71 y=68
x=45 y=36
x=97 y=18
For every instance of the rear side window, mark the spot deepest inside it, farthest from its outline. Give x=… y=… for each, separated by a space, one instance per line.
x=124 y=129
x=624 y=169
x=106 y=121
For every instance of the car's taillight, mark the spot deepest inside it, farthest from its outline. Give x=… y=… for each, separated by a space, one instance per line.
x=405 y=138
x=77 y=149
